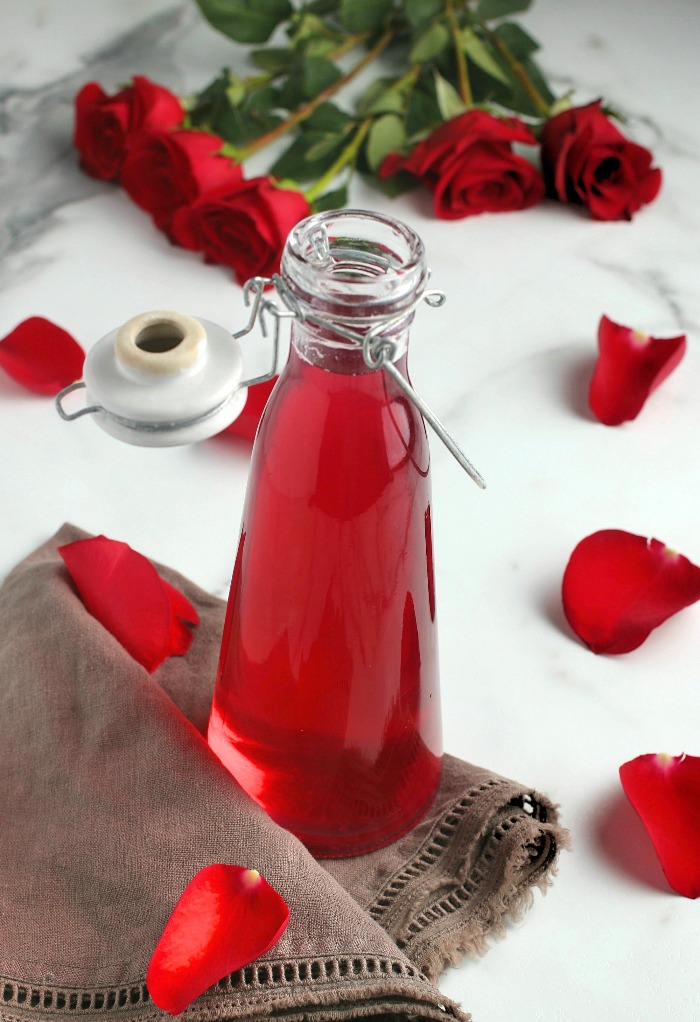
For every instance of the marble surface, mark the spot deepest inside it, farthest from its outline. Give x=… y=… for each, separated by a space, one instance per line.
x=506 y=364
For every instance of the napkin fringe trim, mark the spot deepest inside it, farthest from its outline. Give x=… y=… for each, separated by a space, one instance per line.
x=456 y=919
x=258 y=978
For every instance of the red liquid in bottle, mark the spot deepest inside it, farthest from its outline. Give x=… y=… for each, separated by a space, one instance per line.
x=326 y=706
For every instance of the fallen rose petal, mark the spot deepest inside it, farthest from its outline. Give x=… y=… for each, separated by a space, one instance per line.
x=41 y=356
x=630 y=366
x=123 y=590
x=226 y=917
x=246 y=424
x=618 y=587
x=665 y=791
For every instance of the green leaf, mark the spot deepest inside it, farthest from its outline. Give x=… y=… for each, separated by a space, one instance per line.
x=520 y=44
x=307 y=79
x=323 y=6
x=431 y=44
x=235 y=90
x=538 y=80
x=306 y=26
x=387 y=135
x=448 y=99
x=246 y=21
x=482 y=55
x=294 y=163
x=397 y=184
x=275 y=60
x=331 y=200
x=364 y=15
x=423 y=109
x=488 y=10
x=320 y=47
x=262 y=100
x=324 y=146
x=221 y=109
x=328 y=117
x=419 y=12
x=371 y=100
x=318 y=74
x=390 y=101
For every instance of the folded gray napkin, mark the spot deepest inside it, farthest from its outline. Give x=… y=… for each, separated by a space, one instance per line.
x=112 y=801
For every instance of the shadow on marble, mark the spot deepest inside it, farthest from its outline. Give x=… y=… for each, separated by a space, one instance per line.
x=621 y=839
x=550 y=607
x=574 y=382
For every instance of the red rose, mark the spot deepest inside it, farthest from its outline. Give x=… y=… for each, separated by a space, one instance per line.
x=244 y=227
x=104 y=124
x=586 y=159
x=165 y=170
x=470 y=167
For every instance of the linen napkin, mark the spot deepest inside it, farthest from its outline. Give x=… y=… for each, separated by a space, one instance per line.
x=112 y=801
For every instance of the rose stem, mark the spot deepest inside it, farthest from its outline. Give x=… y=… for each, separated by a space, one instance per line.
x=308 y=108
x=540 y=104
x=348 y=155
x=465 y=91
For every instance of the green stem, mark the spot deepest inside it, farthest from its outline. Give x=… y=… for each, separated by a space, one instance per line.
x=409 y=78
x=538 y=101
x=348 y=155
x=465 y=91
x=308 y=108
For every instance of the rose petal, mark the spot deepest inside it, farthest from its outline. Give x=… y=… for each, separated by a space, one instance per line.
x=123 y=590
x=247 y=422
x=665 y=791
x=586 y=159
x=630 y=366
x=226 y=917
x=41 y=356
x=618 y=587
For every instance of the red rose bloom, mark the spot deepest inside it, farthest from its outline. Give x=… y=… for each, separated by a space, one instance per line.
x=166 y=170
x=586 y=159
x=244 y=227
x=104 y=124
x=470 y=167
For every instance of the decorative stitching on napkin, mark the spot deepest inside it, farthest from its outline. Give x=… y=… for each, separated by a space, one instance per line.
x=440 y=841
x=438 y=908
x=266 y=975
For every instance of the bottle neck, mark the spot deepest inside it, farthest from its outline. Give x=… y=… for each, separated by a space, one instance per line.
x=350 y=270
x=321 y=346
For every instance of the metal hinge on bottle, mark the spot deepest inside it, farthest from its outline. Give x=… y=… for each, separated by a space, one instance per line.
x=378 y=349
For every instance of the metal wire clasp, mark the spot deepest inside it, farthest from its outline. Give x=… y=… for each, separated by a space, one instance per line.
x=378 y=349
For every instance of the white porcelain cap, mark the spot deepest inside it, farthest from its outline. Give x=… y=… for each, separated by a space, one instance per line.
x=164 y=379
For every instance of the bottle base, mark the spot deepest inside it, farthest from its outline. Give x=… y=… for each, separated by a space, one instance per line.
x=335 y=847
x=334 y=833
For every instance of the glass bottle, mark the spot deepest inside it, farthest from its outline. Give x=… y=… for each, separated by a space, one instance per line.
x=326 y=707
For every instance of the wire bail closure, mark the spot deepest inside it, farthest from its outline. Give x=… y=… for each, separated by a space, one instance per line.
x=378 y=349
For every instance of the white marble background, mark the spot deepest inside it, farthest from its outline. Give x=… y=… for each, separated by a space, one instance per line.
x=506 y=363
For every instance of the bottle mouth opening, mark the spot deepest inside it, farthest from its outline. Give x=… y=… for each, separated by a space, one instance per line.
x=353 y=263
